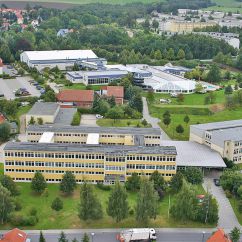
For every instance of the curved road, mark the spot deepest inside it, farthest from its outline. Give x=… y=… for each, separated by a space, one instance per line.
x=153 y=121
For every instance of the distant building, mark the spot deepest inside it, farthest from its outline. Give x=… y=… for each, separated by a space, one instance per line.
x=116 y=91
x=13 y=128
x=79 y=98
x=15 y=235
x=219 y=236
x=175 y=70
x=1 y=66
x=223 y=137
x=47 y=111
x=97 y=77
x=63 y=59
x=64 y=32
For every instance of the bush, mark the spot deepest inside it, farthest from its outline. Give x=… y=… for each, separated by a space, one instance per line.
x=228 y=194
x=33 y=212
x=240 y=206
x=103 y=187
x=20 y=220
x=131 y=211
x=57 y=204
x=18 y=205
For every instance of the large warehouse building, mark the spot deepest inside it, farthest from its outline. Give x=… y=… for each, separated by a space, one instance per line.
x=63 y=59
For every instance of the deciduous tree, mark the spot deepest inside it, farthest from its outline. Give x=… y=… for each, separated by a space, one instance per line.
x=38 y=183
x=68 y=183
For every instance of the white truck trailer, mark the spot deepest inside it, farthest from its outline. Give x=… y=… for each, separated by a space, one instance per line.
x=135 y=235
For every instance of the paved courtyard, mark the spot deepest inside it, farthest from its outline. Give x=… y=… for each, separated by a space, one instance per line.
x=8 y=86
x=65 y=116
x=88 y=120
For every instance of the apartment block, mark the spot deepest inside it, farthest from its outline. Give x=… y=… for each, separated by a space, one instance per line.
x=95 y=135
x=93 y=163
x=223 y=137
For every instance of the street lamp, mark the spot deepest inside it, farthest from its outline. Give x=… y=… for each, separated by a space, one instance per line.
x=92 y=234
x=203 y=236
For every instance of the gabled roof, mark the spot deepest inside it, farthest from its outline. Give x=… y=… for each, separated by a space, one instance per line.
x=116 y=91
x=15 y=235
x=219 y=236
x=75 y=96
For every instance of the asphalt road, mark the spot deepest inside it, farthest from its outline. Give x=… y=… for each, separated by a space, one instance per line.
x=162 y=236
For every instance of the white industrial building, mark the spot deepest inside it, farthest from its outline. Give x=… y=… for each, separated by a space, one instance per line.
x=99 y=77
x=63 y=59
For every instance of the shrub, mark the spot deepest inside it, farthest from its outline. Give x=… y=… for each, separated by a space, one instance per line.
x=20 y=220
x=240 y=206
x=103 y=187
x=76 y=119
x=228 y=194
x=131 y=211
x=18 y=205
x=57 y=204
x=33 y=212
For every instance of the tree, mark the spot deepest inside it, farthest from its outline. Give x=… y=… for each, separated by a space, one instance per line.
x=57 y=204
x=136 y=103
x=181 y=54
x=167 y=121
x=62 y=237
x=214 y=74
x=133 y=182
x=41 y=237
x=158 y=180
x=68 y=183
x=115 y=113
x=193 y=175
x=117 y=203
x=155 y=24
x=90 y=207
x=184 y=207
x=186 y=119
x=40 y=121
x=38 y=183
x=4 y=132
x=147 y=203
x=74 y=240
x=158 y=55
x=6 y=204
x=31 y=121
x=8 y=183
x=50 y=96
x=176 y=182
x=235 y=234
x=199 y=88
x=228 y=90
x=85 y=238
x=171 y=54
x=112 y=101
x=166 y=114
x=180 y=129
x=150 y=96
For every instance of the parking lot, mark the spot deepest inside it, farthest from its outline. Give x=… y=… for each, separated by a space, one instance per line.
x=8 y=86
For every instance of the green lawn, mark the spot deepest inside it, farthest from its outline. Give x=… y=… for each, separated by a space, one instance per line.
x=120 y=123
x=81 y=86
x=234 y=203
x=68 y=218
x=1 y=169
x=194 y=107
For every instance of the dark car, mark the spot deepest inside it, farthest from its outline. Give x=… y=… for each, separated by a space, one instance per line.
x=216 y=182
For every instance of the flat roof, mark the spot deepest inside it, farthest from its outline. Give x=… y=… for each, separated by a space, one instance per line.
x=41 y=108
x=111 y=150
x=93 y=139
x=59 y=55
x=190 y=153
x=93 y=129
x=104 y=73
x=218 y=125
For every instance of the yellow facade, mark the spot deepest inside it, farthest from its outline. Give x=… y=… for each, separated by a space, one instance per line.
x=101 y=164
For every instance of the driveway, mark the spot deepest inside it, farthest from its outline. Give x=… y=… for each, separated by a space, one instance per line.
x=153 y=121
x=88 y=120
x=227 y=218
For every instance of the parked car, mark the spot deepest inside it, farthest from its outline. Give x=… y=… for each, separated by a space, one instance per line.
x=166 y=101
x=216 y=182
x=174 y=94
x=98 y=116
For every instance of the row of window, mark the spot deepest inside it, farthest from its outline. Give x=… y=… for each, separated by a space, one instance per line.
x=151 y=167
x=148 y=174
x=115 y=168
x=238 y=143
x=151 y=158
x=54 y=164
x=55 y=180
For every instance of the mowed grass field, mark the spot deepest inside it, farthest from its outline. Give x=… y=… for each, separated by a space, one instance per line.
x=194 y=107
x=68 y=216
x=227 y=5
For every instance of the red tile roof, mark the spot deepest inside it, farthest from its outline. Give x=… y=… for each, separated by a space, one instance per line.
x=219 y=236
x=76 y=96
x=15 y=235
x=116 y=91
x=2 y=118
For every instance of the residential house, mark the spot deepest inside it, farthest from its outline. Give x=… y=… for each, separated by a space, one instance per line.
x=80 y=98
x=114 y=91
x=15 y=235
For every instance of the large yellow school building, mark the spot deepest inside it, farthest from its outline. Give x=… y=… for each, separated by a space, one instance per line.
x=93 y=163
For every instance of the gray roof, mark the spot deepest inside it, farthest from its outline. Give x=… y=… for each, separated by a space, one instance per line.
x=218 y=125
x=41 y=108
x=54 y=147
x=93 y=129
x=194 y=154
x=218 y=137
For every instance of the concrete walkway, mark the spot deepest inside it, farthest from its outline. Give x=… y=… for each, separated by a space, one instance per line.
x=153 y=121
x=227 y=217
